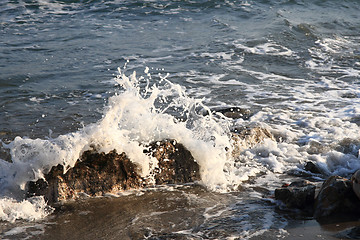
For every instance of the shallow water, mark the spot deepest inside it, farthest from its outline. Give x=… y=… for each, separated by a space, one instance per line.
x=182 y=212
x=178 y=212
x=294 y=64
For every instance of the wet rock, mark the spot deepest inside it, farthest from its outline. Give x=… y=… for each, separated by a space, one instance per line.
x=349 y=146
x=176 y=164
x=312 y=167
x=356 y=120
x=352 y=233
x=236 y=112
x=253 y=135
x=232 y=112
x=355 y=180
x=315 y=147
x=96 y=173
x=299 y=194
x=247 y=137
x=336 y=197
x=349 y=95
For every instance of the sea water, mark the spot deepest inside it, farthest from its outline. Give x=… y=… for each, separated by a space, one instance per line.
x=122 y=74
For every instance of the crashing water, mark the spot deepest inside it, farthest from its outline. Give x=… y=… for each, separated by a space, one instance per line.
x=294 y=64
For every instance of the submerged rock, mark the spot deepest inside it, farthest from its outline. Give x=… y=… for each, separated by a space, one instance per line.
x=313 y=168
x=236 y=112
x=300 y=194
x=232 y=112
x=349 y=146
x=349 y=95
x=247 y=137
x=96 y=173
x=336 y=197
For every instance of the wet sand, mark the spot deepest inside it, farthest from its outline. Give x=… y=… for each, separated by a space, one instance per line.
x=189 y=212
x=343 y=227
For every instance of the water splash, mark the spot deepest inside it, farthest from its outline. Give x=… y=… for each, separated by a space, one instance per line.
x=139 y=113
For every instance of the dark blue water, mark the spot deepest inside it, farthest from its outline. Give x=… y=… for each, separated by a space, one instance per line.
x=296 y=64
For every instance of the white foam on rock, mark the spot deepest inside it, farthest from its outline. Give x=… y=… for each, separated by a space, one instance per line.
x=133 y=118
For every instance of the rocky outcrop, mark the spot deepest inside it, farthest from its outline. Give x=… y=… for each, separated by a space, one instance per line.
x=300 y=195
x=336 y=197
x=98 y=173
x=93 y=174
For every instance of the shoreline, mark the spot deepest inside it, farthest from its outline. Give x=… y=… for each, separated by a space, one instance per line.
x=331 y=229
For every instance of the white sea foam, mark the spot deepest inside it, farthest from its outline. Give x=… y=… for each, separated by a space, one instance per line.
x=268 y=48
x=327 y=49
x=144 y=112
x=31 y=209
x=133 y=118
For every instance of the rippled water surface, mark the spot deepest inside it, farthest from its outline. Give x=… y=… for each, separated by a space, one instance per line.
x=295 y=64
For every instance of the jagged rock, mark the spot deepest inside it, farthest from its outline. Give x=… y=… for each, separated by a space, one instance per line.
x=336 y=197
x=300 y=194
x=94 y=174
x=98 y=173
x=176 y=164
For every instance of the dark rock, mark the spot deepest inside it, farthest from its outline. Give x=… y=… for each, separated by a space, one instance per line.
x=349 y=95
x=176 y=164
x=236 y=112
x=312 y=167
x=336 y=197
x=233 y=112
x=300 y=173
x=355 y=181
x=300 y=194
x=356 y=120
x=352 y=233
x=96 y=173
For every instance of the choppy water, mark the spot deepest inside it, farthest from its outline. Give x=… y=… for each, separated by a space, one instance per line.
x=295 y=64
